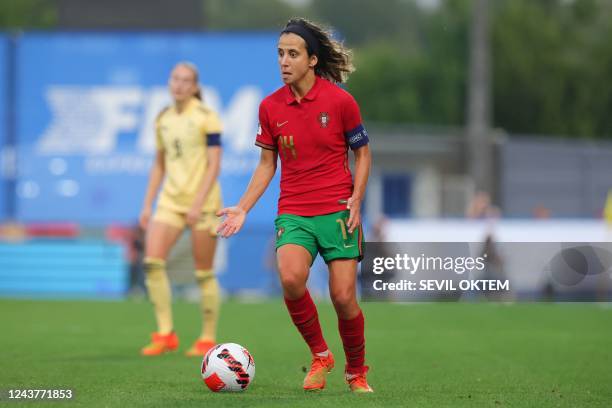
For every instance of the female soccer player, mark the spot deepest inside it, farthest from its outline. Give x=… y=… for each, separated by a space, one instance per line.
x=311 y=122
x=188 y=161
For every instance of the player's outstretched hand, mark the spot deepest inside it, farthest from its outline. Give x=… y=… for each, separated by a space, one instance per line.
x=354 y=206
x=234 y=218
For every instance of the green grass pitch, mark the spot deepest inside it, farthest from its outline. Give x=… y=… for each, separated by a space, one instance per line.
x=421 y=355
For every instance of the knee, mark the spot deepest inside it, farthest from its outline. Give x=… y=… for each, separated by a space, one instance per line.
x=293 y=281
x=203 y=262
x=344 y=299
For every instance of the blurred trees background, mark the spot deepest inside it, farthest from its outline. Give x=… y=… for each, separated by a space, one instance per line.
x=551 y=59
x=18 y=14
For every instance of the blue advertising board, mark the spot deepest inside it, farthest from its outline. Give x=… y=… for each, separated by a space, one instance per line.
x=86 y=107
x=4 y=49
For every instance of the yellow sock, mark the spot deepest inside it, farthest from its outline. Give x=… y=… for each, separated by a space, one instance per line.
x=160 y=294
x=210 y=303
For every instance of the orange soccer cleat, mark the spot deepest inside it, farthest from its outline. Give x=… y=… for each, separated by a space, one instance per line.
x=160 y=344
x=319 y=368
x=357 y=382
x=200 y=348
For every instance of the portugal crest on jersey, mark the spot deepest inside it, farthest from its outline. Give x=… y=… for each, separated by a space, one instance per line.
x=323 y=119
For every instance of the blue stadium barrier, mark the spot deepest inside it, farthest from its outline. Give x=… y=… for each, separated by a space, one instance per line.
x=248 y=264
x=4 y=124
x=63 y=269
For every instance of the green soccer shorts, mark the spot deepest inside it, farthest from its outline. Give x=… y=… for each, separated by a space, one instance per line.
x=324 y=234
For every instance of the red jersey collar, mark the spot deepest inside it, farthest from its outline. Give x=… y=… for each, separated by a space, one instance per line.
x=310 y=96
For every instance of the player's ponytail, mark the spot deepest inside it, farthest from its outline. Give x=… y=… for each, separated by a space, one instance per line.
x=334 y=60
x=198 y=93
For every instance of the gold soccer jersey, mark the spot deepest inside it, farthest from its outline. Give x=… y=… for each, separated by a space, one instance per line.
x=185 y=137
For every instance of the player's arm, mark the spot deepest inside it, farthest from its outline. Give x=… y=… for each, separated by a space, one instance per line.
x=264 y=172
x=156 y=176
x=363 y=161
x=213 y=169
x=261 y=179
x=357 y=139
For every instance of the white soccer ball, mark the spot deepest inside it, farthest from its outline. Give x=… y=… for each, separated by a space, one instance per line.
x=228 y=367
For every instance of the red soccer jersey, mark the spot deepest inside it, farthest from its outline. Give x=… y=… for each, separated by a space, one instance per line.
x=312 y=138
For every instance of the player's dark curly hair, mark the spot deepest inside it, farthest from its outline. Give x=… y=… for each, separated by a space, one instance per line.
x=334 y=60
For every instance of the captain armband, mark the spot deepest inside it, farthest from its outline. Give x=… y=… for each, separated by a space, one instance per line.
x=357 y=137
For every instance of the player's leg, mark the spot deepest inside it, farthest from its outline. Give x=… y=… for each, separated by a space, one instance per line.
x=294 y=265
x=295 y=253
x=162 y=234
x=204 y=244
x=342 y=251
x=342 y=288
x=293 y=268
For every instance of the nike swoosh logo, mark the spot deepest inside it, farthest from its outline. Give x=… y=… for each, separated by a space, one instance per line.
x=281 y=124
x=348 y=246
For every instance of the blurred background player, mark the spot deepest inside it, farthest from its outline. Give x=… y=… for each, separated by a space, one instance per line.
x=188 y=161
x=311 y=122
